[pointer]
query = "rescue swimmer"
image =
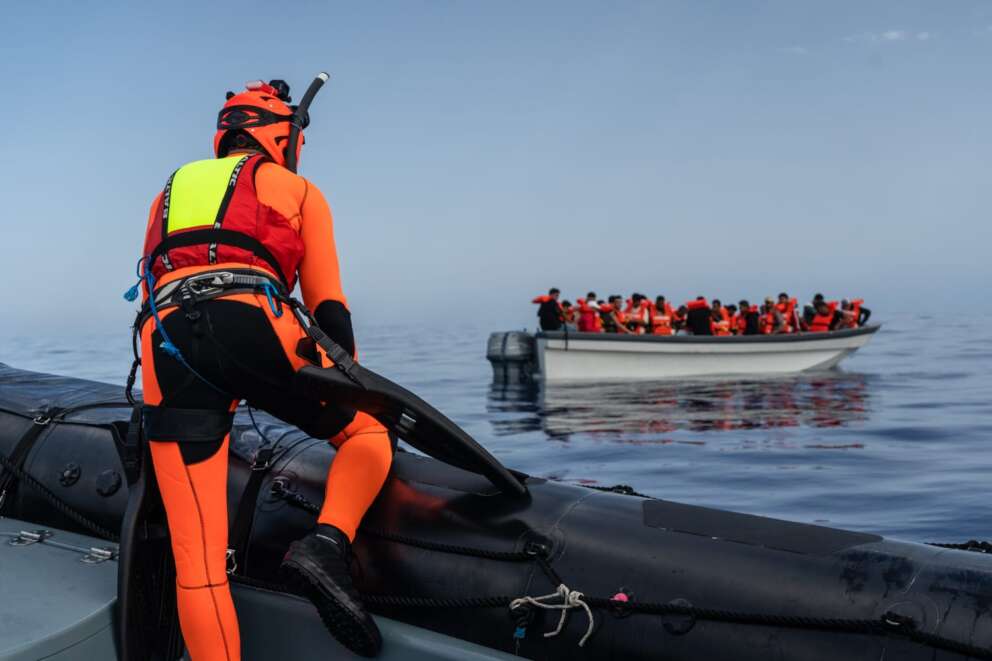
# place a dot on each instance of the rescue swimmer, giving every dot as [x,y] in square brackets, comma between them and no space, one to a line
[227,240]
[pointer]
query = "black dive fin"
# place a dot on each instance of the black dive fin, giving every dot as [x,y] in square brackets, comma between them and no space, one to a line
[411,418]
[147,620]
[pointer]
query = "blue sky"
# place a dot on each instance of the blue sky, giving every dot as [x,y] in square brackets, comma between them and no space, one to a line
[476,153]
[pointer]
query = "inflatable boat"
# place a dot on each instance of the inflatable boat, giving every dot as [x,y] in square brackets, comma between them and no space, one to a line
[571,356]
[455,568]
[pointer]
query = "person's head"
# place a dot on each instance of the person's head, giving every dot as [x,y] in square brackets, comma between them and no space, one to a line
[745,306]
[818,299]
[567,304]
[716,303]
[591,296]
[636,299]
[683,310]
[731,308]
[783,298]
[700,298]
[769,302]
[822,307]
[845,305]
[258,119]
[659,302]
[554,293]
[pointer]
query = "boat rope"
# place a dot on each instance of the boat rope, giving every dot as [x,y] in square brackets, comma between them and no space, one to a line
[569,599]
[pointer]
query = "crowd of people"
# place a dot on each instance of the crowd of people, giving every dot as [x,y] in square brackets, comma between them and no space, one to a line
[638,315]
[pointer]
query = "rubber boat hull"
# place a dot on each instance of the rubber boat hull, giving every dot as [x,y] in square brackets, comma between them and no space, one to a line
[560,356]
[438,536]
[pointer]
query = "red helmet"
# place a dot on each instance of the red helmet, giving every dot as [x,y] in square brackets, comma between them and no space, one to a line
[262,113]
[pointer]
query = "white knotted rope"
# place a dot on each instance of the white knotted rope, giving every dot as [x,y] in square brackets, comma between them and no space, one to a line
[569,599]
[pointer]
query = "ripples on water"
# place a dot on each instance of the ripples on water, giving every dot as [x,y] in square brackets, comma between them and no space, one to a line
[896,442]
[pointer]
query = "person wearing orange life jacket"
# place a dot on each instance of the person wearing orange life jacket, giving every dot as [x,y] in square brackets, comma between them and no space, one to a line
[787,308]
[716,305]
[661,303]
[772,322]
[719,323]
[638,316]
[854,314]
[611,312]
[237,231]
[589,318]
[568,315]
[549,311]
[826,319]
[732,317]
[661,321]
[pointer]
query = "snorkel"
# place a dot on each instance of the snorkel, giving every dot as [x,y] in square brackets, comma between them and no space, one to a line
[301,118]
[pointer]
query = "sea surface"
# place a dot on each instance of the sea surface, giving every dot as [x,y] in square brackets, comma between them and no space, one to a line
[899,441]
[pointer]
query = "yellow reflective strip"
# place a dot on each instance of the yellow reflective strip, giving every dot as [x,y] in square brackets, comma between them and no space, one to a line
[198,189]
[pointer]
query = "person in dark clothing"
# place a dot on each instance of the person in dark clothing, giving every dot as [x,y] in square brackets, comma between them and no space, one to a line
[698,318]
[549,311]
[749,319]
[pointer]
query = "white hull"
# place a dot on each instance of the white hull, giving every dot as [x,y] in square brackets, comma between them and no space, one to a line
[589,356]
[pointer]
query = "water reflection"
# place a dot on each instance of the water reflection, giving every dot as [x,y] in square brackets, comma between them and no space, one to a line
[641,412]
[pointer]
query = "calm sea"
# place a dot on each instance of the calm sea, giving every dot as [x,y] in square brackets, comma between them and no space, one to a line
[897,442]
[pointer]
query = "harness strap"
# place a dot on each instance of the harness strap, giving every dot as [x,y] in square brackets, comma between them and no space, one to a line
[133,446]
[221,237]
[248,504]
[40,424]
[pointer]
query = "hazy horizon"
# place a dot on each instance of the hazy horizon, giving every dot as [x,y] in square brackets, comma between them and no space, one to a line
[476,154]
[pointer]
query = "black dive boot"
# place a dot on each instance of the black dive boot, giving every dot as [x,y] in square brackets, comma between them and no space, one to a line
[318,566]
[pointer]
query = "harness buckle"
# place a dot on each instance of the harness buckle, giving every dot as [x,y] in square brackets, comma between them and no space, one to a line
[263,459]
[209,283]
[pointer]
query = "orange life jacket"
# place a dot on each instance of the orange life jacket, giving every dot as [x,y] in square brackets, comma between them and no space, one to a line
[768,322]
[661,324]
[821,322]
[721,327]
[242,229]
[855,313]
[589,321]
[697,304]
[788,312]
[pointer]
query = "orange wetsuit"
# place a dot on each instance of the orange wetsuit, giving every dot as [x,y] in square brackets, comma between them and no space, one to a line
[251,353]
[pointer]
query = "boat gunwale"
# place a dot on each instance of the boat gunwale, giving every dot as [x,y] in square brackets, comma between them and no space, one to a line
[709,339]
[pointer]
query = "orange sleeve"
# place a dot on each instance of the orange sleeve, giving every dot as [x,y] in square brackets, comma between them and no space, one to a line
[303,205]
[320,276]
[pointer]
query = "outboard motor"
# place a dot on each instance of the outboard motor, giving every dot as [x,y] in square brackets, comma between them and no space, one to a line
[512,356]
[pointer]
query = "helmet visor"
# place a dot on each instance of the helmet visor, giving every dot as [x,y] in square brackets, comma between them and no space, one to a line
[246,117]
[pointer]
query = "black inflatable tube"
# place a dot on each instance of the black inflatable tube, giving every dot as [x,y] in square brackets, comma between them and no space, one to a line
[599,543]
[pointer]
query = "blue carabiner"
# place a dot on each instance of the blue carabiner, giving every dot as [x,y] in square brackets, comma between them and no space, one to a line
[269,290]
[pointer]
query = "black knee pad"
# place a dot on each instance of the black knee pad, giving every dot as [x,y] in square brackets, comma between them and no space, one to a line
[199,432]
